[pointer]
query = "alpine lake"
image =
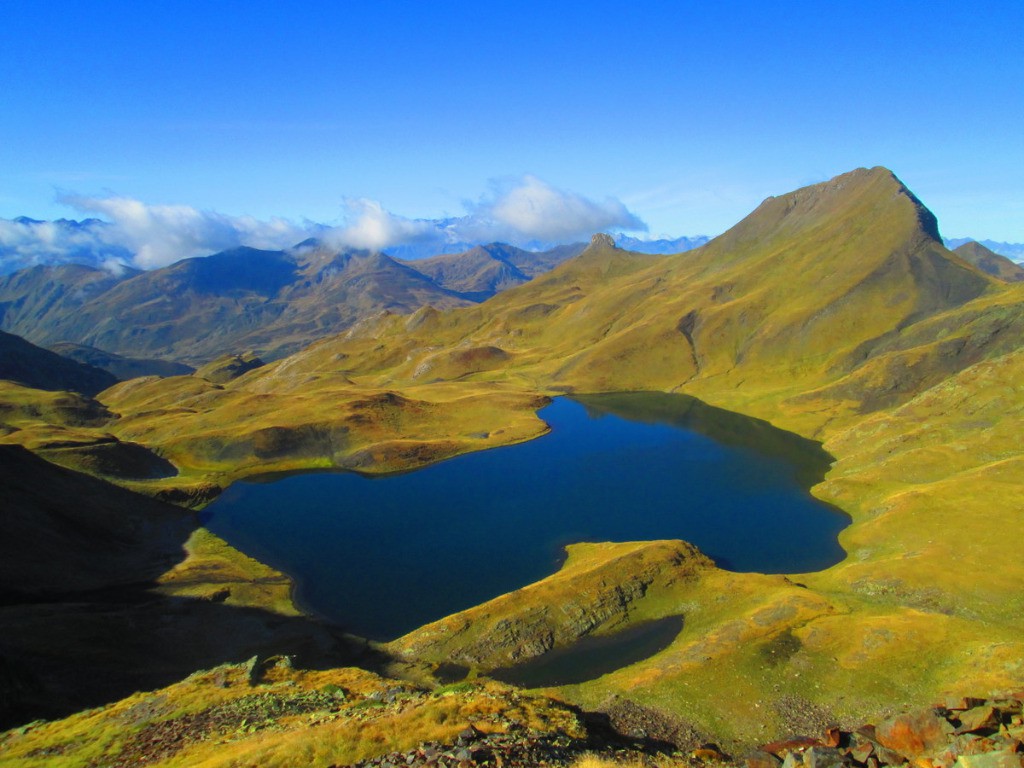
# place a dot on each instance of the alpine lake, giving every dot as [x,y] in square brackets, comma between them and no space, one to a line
[383,555]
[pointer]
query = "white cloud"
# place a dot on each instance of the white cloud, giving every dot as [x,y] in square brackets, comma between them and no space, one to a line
[133,233]
[159,235]
[370,226]
[531,209]
[526,210]
[27,243]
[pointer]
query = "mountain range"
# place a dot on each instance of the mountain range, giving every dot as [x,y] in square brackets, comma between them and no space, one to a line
[834,311]
[273,302]
[1013,251]
[661,245]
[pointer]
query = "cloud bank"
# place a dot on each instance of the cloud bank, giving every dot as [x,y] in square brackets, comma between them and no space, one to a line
[530,209]
[26,243]
[159,235]
[522,211]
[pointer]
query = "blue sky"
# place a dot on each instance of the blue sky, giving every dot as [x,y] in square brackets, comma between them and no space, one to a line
[684,114]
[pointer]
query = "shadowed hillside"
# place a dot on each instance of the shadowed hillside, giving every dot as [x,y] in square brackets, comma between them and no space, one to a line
[485,270]
[32,366]
[118,365]
[63,531]
[42,303]
[84,618]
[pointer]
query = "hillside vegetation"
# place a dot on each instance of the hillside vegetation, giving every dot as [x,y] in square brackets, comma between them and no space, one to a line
[834,312]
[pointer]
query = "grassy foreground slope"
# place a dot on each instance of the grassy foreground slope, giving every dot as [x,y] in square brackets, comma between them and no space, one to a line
[833,311]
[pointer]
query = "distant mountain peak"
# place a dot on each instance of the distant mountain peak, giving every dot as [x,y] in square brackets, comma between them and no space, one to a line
[927,219]
[661,245]
[990,262]
[1012,251]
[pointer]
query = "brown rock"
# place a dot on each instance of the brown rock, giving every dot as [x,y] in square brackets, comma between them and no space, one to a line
[833,737]
[1010,707]
[886,756]
[976,745]
[862,751]
[708,754]
[947,757]
[959,704]
[823,757]
[761,759]
[866,732]
[979,719]
[913,735]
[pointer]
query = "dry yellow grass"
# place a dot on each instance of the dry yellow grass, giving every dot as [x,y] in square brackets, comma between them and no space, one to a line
[217,718]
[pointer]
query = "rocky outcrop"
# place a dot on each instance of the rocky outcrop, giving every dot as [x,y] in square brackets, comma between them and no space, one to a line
[601,240]
[959,733]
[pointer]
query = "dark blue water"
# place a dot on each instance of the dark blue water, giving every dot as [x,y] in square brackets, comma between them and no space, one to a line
[382,556]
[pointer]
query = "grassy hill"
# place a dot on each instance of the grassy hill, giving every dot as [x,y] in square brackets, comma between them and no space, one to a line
[833,311]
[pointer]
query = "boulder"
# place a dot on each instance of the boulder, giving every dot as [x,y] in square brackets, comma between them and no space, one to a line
[978,720]
[915,734]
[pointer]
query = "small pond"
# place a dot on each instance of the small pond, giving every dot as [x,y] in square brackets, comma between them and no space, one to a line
[381,556]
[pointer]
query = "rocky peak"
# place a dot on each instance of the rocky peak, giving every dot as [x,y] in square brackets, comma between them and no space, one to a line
[602,239]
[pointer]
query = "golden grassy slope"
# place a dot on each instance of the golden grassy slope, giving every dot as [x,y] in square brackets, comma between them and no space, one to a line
[286,419]
[832,311]
[279,717]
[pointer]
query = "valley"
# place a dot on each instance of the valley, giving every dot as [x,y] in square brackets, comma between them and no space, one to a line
[833,312]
